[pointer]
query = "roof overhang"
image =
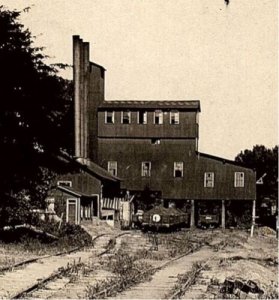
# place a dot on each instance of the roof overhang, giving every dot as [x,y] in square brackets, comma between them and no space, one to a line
[73,192]
[192,105]
[89,167]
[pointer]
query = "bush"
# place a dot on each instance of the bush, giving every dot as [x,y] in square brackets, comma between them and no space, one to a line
[68,236]
[22,234]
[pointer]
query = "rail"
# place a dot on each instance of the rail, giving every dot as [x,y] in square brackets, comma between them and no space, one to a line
[60,271]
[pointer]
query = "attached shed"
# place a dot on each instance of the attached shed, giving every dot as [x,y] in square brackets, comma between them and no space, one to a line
[76,195]
[74,206]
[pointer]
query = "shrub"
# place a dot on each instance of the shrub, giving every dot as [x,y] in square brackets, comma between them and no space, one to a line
[67,236]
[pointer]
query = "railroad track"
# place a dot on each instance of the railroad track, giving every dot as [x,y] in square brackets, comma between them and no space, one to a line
[166,277]
[61,282]
[32,260]
[158,283]
[26,276]
[35,259]
[72,264]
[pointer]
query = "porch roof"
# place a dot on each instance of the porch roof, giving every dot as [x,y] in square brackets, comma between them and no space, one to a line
[73,192]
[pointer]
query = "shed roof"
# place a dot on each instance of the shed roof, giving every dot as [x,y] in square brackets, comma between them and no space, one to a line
[152,104]
[72,191]
[99,171]
[90,167]
[224,160]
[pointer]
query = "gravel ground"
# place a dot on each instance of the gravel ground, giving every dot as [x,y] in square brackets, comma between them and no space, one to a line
[234,256]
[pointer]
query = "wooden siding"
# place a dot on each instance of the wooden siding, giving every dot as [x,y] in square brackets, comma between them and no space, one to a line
[95,98]
[223,181]
[82,182]
[187,127]
[130,153]
[131,144]
[60,202]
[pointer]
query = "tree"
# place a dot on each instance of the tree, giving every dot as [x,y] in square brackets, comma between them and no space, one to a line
[264,161]
[35,116]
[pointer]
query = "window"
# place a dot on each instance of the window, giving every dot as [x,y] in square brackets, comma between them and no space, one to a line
[126,117]
[112,167]
[238,179]
[178,169]
[109,117]
[146,169]
[174,117]
[142,117]
[158,117]
[155,141]
[209,179]
[66,183]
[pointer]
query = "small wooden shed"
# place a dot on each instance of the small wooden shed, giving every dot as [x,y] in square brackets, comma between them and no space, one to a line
[76,195]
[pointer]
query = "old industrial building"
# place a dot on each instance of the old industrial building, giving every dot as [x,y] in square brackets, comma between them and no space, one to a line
[151,144]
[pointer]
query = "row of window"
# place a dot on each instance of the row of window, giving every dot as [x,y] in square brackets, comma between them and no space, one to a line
[178,173]
[238,179]
[142,117]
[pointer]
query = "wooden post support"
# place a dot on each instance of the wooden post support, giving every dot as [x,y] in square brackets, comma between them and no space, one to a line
[192,222]
[223,224]
[253,217]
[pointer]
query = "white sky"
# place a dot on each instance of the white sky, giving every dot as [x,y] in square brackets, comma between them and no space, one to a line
[177,50]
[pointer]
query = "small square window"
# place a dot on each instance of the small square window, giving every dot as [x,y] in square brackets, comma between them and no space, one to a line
[66,183]
[112,167]
[146,169]
[155,141]
[174,117]
[109,117]
[239,179]
[126,117]
[209,179]
[142,117]
[158,117]
[178,169]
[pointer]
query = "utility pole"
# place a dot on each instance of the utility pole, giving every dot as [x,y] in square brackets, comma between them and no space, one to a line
[253,217]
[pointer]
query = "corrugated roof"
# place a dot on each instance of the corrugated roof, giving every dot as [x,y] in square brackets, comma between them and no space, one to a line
[152,104]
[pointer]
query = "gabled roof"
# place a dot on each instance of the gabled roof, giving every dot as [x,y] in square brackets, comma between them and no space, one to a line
[90,167]
[152,104]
